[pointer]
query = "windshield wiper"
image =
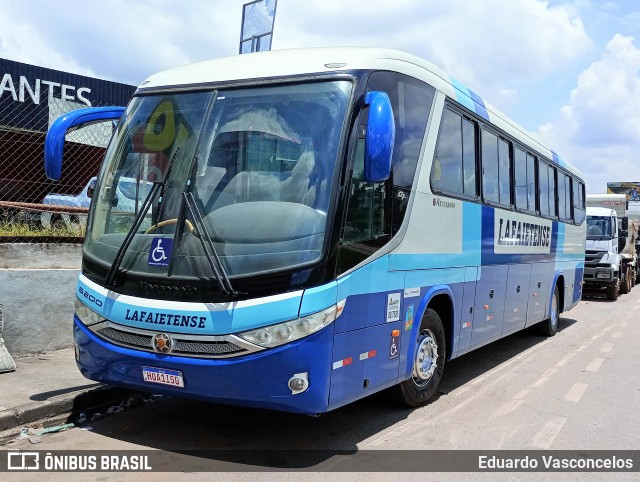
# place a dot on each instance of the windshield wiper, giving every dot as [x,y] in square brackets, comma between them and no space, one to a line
[137,221]
[208,246]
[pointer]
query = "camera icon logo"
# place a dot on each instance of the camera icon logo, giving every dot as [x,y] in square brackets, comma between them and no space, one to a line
[23,461]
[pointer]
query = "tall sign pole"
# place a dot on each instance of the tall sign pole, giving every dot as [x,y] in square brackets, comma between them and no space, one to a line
[256,31]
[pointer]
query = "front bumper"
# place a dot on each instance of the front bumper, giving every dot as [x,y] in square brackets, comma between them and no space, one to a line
[258,380]
[599,276]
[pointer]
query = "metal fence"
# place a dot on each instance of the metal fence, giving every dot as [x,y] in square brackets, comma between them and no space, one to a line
[32,207]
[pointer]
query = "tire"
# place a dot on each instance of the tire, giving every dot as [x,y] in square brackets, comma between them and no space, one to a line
[632,277]
[613,291]
[58,223]
[624,282]
[549,327]
[429,357]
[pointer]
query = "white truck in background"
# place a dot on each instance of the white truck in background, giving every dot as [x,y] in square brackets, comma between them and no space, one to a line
[611,258]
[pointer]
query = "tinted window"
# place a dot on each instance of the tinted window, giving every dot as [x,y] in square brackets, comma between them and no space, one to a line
[520,168]
[578,202]
[552,192]
[504,171]
[490,167]
[531,182]
[365,216]
[567,194]
[454,166]
[543,182]
[562,207]
[469,157]
[411,100]
[447,166]
[376,210]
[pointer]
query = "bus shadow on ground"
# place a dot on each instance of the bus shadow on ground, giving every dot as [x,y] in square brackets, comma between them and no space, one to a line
[246,436]
[476,363]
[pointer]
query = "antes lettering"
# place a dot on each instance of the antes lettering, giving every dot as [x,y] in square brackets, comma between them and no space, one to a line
[21,90]
[167,319]
[513,232]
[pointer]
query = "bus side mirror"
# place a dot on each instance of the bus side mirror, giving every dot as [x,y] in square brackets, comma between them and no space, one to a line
[380,137]
[54,141]
[625,223]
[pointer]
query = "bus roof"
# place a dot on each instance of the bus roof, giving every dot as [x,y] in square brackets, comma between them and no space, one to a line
[288,63]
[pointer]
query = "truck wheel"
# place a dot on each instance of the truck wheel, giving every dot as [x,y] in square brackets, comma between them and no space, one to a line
[625,282]
[428,362]
[549,327]
[628,279]
[613,291]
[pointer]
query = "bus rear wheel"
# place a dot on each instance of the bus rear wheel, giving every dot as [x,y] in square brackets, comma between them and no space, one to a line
[549,327]
[429,356]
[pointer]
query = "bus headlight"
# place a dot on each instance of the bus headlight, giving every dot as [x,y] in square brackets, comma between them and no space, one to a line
[86,314]
[276,335]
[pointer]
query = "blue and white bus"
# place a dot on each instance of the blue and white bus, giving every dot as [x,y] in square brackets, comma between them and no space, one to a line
[313,226]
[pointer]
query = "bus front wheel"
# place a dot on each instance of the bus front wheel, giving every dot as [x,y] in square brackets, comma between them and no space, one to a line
[429,357]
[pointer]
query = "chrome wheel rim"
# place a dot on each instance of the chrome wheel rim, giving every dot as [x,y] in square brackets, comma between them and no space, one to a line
[426,358]
[554,311]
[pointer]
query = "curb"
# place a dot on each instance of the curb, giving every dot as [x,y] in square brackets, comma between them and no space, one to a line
[71,403]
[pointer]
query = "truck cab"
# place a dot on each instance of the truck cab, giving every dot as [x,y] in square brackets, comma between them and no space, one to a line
[606,267]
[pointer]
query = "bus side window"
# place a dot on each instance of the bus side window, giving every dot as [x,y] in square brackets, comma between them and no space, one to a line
[490,167]
[543,182]
[412,101]
[365,214]
[504,171]
[531,182]
[454,166]
[520,168]
[553,206]
[567,197]
[578,202]
[562,207]
[446,174]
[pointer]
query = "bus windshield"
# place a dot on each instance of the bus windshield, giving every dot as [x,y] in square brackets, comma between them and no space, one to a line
[599,227]
[258,164]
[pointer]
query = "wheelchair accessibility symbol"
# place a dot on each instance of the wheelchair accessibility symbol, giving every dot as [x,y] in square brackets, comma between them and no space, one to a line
[394,346]
[160,251]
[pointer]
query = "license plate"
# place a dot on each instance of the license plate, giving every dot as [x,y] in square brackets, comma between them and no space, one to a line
[163,376]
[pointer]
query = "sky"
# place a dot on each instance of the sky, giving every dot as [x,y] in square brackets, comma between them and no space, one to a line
[566,71]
